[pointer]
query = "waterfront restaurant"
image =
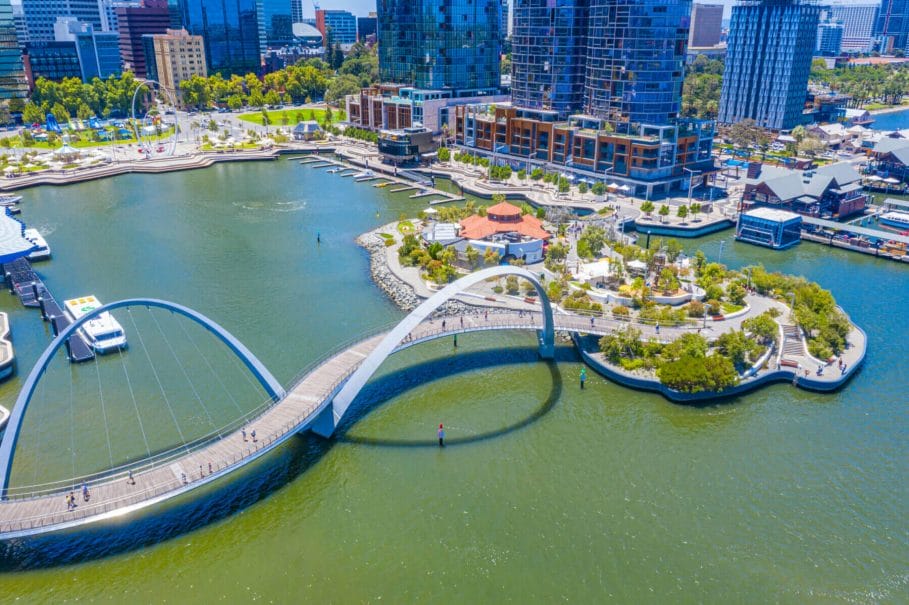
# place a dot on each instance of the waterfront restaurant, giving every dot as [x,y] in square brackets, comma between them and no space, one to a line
[504,229]
[769,227]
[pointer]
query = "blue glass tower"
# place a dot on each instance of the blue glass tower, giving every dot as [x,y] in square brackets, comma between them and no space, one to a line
[768,61]
[230,30]
[636,60]
[12,71]
[893,25]
[548,53]
[440,44]
[277,21]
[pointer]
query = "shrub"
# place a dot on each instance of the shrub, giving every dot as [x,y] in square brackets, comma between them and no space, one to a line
[713,307]
[695,309]
[621,312]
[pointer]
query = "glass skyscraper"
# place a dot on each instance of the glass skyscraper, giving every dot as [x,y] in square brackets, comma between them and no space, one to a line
[636,60]
[12,72]
[548,54]
[893,25]
[40,15]
[277,21]
[768,60]
[440,44]
[230,31]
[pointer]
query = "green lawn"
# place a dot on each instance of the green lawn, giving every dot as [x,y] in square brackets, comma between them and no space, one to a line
[292,116]
[79,140]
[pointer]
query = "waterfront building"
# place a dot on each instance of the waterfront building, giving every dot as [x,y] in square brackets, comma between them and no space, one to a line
[440,44]
[13,84]
[176,56]
[706,25]
[548,55]
[832,191]
[230,33]
[505,230]
[133,22]
[858,25]
[337,26]
[825,108]
[393,106]
[768,61]
[890,158]
[40,15]
[51,60]
[892,29]
[829,38]
[99,52]
[308,130]
[405,145]
[367,28]
[773,228]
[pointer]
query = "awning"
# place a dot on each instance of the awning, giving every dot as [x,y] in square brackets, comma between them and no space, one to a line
[12,243]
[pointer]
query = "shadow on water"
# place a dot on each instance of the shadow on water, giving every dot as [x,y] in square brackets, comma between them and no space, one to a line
[257,481]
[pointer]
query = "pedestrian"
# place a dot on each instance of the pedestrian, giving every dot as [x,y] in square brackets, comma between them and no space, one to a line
[486,315]
[209,468]
[183,477]
[129,478]
[318,237]
[243,432]
[462,322]
[72,499]
[253,435]
[85,494]
[443,324]
[658,327]
[591,321]
[441,436]
[583,377]
[201,472]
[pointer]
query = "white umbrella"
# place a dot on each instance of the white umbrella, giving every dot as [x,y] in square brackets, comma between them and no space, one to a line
[613,185]
[9,169]
[874,178]
[625,188]
[891,180]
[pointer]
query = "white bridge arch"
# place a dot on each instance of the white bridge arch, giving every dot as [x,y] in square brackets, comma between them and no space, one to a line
[334,413]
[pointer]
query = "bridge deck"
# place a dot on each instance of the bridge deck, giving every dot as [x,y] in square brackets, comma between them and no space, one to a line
[25,514]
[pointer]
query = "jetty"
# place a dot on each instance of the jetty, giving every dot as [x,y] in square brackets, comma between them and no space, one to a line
[28,286]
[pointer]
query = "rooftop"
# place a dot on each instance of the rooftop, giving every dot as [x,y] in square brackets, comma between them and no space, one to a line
[771,214]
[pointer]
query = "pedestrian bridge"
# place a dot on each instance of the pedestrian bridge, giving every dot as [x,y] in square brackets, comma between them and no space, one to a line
[319,401]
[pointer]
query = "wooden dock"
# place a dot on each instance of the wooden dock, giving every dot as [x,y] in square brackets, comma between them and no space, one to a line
[402,189]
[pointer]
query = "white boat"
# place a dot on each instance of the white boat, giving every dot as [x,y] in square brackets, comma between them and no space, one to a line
[43,252]
[10,200]
[103,332]
[895,219]
[366,174]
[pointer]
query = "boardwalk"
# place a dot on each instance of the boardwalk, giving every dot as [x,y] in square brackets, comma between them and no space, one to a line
[25,513]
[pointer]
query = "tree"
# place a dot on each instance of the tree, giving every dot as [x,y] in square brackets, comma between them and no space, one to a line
[690,374]
[695,210]
[664,212]
[342,86]
[490,257]
[266,119]
[511,285]
[683,212]
[735,346]
[736,293]
[444,154]
[473,256]
[763,328]
[564,184]
[647,207]
[745,133]
[61,113]
[31,114]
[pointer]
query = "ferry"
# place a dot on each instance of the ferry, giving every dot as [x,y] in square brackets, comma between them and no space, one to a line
[895,219]
[103,332]
[43,251]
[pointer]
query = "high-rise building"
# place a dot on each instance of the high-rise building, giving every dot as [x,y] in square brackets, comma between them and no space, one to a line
[548,54]
[109,12]
[12,70]
[296,11]
[277,21]
[40,15]
[21,26]
[134,22]
[829,38]
[706,25]
[337,26]
[858,25]
[505,22]
[440,44]
[98,52]
[768,60]
[366,27]
[177,56]
[636,60]
[893,25]
[230,34]
[51,60]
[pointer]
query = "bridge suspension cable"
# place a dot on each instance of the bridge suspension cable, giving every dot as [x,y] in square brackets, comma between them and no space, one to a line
[110,449]
[132,394]
[155,373]
[230,395]
[192,386]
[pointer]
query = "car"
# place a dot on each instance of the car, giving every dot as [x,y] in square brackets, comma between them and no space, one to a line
[160,148]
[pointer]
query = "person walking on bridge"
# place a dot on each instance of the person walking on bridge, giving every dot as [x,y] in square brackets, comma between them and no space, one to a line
[441,434]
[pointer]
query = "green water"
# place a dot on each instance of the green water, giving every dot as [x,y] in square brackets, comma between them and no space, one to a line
[553,495]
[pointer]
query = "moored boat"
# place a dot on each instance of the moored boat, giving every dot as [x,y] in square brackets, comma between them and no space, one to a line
[103,332]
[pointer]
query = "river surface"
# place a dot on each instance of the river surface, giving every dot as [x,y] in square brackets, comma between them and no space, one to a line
[552,494]
[893,120]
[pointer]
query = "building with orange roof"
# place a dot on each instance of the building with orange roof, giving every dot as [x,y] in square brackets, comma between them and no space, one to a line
[504,229]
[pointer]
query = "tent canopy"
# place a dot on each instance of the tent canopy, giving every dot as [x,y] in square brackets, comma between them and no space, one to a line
[13,244]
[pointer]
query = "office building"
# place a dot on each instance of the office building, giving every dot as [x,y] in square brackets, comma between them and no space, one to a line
[277,21]
[109,12]
[21,27]
[440,44]
[337,26]
[40,15]
[133,22]
[296,11]
[98,52]
[892,28]
[176,56]
[829,38]
[505,21]
[768,61]
[706,25]
[548,55]
[367,27]
[858,25]
[230,34]
[51,60]
[12,70]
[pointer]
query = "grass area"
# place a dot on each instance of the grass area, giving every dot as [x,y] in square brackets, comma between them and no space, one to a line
[290,117]
[214,147]
[730,308]
[79,140]
[405,227]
